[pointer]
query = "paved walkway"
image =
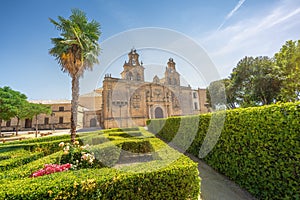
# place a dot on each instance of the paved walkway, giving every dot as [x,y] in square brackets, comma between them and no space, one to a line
[215,186]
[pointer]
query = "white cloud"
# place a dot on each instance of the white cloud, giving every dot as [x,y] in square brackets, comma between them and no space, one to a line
[254,35]
[231,13]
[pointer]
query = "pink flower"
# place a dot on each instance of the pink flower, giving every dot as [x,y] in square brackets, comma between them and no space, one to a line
[51,168]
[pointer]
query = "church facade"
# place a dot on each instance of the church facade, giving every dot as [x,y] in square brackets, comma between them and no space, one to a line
[130,100]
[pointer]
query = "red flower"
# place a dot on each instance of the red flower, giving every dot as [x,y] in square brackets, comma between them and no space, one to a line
[51,168]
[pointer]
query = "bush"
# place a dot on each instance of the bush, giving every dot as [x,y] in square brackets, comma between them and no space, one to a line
[22,159]
[170,176]
[36,140]
[259,147]
[140,146]
[171,182]
[25,170]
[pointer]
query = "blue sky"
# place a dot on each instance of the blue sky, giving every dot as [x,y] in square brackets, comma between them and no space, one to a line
[227,31]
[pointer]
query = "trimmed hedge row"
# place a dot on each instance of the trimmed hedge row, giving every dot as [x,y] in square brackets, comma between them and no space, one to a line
[106,183]
[170,175]
[259,148]
[20,160]
[12,154]
[24,171]
[45,147]
[37,140]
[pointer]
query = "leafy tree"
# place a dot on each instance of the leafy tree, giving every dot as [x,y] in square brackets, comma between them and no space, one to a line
[22,112]
[11,102]
[288,60]
[37,109]
[255,81]
[76,50]
[220,93]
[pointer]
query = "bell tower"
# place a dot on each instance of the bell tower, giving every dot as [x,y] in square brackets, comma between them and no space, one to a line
[172,77]
[133,70]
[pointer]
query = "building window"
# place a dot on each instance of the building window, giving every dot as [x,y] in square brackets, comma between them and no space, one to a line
[46,121]
[61,120]
[196,105]
[8,123]
[195,95]
[61,108]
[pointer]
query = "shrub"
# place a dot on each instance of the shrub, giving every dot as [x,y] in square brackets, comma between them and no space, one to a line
[140,146]
[78,156]
[25,170]
[17,161]
[259,148]
[170,176]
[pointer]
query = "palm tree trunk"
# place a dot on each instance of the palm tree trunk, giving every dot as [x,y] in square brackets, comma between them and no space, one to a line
[74,106]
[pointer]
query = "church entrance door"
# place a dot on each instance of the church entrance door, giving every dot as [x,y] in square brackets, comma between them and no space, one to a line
[93,122]
[159,113]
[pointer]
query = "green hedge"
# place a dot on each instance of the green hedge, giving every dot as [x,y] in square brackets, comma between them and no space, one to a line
[170,175]
[107,183]
[20,160]
[45,146]
[140,146]
[24,171]
[12,154]
[259,148]
[37,140]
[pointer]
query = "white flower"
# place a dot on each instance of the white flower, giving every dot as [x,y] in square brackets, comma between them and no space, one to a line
[84,157]
[61,144]
[67,148]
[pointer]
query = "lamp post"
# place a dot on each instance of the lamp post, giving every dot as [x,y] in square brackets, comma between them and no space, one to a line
[120,104]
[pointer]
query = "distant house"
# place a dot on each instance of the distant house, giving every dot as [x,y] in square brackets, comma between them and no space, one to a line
[60,118]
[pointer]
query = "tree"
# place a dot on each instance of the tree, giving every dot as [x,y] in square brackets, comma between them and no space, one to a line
[76,50]
[255,81]
[288,61]
[22,112]
[219,93]
[11,102]
[37,109]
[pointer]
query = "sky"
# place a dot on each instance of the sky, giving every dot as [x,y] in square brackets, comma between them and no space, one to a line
[226,31]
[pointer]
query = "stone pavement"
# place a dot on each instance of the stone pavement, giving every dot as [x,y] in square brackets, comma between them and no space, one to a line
[215,186]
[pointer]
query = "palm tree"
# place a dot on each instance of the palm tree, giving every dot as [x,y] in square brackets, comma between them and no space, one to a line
[76,50]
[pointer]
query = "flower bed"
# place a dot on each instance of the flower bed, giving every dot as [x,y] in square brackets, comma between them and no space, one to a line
[170,175]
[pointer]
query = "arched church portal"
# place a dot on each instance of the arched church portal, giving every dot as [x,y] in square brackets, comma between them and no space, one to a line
[93,122]
[158,113]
